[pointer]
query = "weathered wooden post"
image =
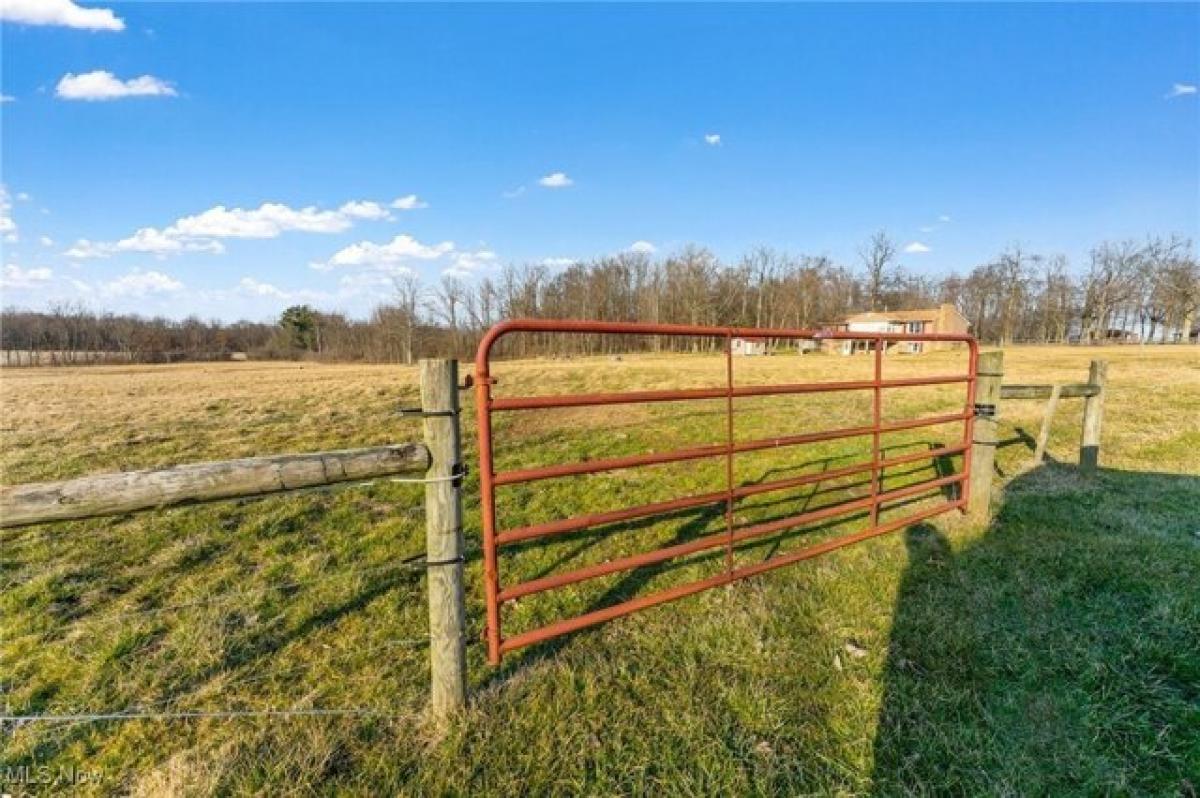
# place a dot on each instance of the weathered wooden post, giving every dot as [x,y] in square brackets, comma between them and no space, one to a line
[983,448]
[1093,415]
[444,538]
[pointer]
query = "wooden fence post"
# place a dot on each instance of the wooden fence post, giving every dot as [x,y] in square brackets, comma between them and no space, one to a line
[1093,415]
[983,448]
[444,538]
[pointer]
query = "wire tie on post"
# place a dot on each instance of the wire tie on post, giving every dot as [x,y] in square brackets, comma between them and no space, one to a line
[420,412]
[452,561]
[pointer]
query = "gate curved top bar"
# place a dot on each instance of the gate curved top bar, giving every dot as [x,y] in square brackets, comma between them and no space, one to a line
[489,479]
[498,331]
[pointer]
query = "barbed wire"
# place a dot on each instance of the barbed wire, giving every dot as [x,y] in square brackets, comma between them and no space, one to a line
[156,709]
[19,720]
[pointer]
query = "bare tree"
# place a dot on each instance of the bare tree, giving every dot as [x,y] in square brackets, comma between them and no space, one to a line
[877,256]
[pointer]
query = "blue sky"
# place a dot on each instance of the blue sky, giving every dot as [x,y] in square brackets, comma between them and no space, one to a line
[259,148]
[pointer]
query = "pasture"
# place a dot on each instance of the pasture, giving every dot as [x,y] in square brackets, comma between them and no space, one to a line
[1056,650]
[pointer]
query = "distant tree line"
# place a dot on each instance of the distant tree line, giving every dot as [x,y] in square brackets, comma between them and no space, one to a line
[1148,291]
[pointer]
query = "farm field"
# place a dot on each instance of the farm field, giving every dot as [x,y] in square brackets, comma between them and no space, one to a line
[1056,651]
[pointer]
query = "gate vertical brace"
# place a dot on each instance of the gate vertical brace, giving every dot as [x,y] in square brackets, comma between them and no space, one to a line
[876,422]
[487,494]
[444,538]
[729,453]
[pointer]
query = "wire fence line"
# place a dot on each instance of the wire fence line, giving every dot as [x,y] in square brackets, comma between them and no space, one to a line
[162,709]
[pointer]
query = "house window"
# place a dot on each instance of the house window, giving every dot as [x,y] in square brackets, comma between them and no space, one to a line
[916,326]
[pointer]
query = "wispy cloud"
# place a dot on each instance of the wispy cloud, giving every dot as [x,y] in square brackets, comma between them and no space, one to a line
[400,249]
[558,263]
[1181,90]
[201,232]
[251,287]
[712,139]
[15,278]
[139,284]
[409,202]
[916,248]
[516,192]
[7,98]
[556,180]
[101,85]
[64,13]
[8,227]
[643,248]
[374,262]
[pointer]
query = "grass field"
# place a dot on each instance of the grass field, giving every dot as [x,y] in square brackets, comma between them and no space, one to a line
[1056,651]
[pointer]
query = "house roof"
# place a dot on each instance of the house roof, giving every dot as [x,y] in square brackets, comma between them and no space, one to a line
[922,314]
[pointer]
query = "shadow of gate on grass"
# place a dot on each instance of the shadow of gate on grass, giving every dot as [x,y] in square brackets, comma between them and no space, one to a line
[1059,651]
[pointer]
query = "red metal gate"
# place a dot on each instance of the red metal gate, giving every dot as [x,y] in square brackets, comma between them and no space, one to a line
[494,537]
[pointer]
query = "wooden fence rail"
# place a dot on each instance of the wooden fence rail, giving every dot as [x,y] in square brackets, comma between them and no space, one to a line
[130,491]
[438,459]
[990,391]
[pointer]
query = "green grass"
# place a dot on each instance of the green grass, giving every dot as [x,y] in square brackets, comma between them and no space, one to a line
[1056,651]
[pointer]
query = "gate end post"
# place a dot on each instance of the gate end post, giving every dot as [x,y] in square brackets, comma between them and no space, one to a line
[983,444]
[444,538]
[1093,415]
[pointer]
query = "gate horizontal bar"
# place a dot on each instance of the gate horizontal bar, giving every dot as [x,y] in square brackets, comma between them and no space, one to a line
[718,539]
[713,450]
[625,608]
[686,394]
[658,508]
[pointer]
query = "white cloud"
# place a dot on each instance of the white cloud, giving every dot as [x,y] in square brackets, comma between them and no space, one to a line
[916,248]
[200,232]
[102,85]
[712,139]
[558,263]
[139,284]
[643,248]
[24,196]
[7,98]
[374,264]
[470,262]
[409,202]
[944,219]
[269,220]
[516,192]
[252,287]
[46,241]
[146,240]
[7,225]
[401,248]
[15,278]
[1181,90]
[556,180]
[59,12]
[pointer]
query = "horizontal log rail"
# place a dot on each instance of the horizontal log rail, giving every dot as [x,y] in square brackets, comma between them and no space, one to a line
[1082,389]
[130,491]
